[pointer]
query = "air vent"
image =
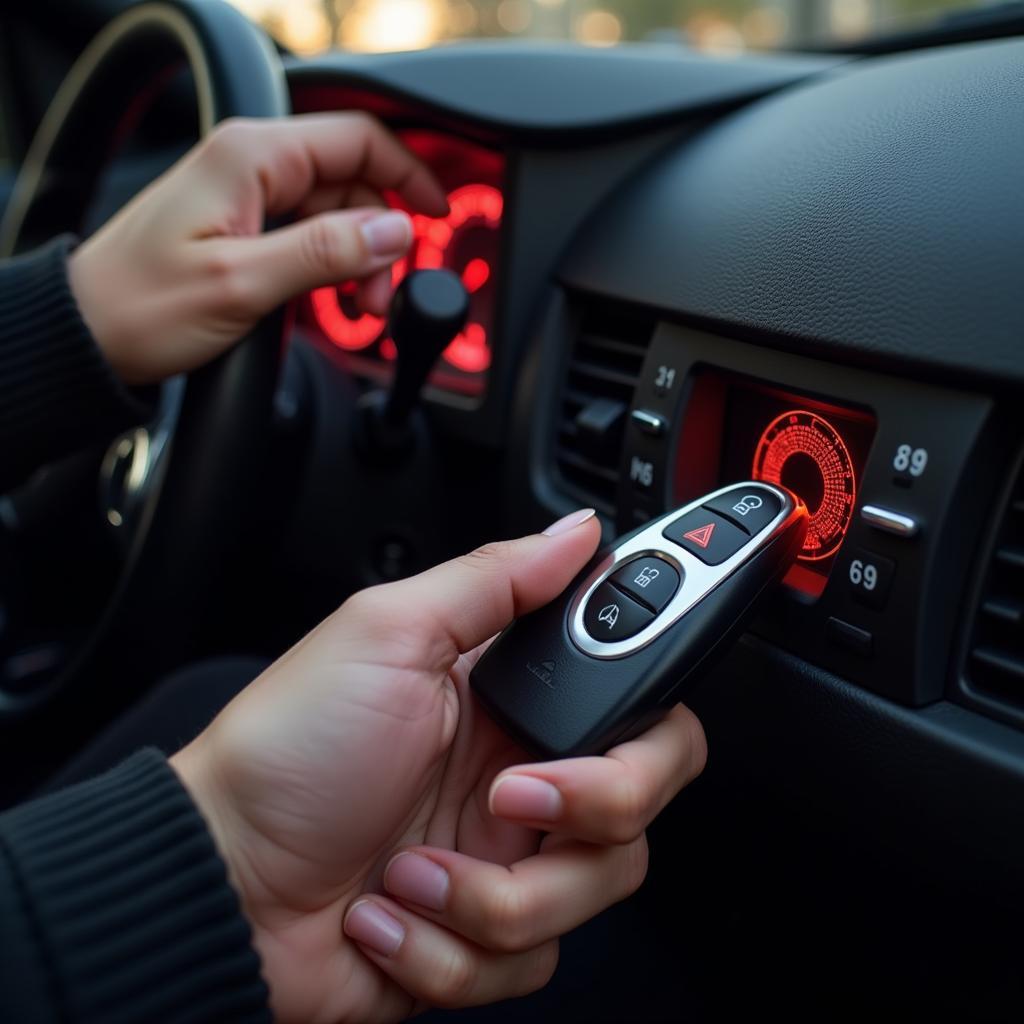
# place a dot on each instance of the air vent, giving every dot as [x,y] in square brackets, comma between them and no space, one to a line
[602,375]
[995,661]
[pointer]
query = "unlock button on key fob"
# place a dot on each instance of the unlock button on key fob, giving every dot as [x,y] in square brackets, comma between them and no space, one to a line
[611,616]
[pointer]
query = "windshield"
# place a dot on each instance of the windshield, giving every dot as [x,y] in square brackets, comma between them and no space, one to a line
[718,26]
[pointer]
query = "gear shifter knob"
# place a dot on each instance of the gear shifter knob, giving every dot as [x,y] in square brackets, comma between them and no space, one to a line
[428,310]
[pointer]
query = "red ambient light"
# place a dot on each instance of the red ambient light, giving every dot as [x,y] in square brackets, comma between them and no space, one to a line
[473,207]
[476,275]
[805,453]
[341,320]
[436,243]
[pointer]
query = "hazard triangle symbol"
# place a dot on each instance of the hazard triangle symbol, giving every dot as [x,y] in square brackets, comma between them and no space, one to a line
[702,535]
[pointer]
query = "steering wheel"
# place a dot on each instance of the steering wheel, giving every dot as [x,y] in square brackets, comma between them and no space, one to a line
[191,483]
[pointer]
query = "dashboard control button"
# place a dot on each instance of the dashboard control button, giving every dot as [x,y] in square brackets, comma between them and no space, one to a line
[751,509]
[888,521]
[610,615]
[869,576]
[707,535]
[650,580]
[650,423]
[853,638]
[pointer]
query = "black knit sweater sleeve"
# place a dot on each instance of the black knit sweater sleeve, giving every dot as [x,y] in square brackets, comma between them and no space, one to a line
[115,908]
[57,392]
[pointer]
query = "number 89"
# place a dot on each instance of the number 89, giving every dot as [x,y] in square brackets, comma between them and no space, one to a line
[913,459]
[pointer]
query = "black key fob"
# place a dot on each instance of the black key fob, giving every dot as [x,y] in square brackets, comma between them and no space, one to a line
[617,649]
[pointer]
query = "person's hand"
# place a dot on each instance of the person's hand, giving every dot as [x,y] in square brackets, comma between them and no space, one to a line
[392,848]
[183,271]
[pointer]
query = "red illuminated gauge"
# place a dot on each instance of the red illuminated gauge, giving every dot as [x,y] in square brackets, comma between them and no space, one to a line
[805,453]
[466,241]
[339,318]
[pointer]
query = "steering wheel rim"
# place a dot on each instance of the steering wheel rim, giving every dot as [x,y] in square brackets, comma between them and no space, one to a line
[190,516]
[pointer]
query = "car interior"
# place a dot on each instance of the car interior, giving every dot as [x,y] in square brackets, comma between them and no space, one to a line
[684,270]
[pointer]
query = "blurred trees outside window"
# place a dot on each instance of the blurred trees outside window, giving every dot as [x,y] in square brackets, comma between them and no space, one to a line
[718,26]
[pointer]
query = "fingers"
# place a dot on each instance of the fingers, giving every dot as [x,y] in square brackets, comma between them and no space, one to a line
[310,164]
[331,247]
[373,294]
[519,907]
[439,967]
[294,156]
[609,799]
[347,196]
[458,605]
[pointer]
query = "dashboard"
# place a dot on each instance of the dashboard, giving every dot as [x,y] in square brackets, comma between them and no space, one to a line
[798,270]
[636,393]
[687,272]
[683,272]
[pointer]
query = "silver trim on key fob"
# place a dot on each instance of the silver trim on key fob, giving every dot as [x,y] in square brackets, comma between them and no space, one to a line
[697,580]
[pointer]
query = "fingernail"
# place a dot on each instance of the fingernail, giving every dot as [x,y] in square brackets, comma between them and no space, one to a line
[374,927]
[523,796]
[417,879]
[569,522]
[387,234]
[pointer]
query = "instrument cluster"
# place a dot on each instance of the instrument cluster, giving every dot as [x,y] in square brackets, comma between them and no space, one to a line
[815,448]
[467,241]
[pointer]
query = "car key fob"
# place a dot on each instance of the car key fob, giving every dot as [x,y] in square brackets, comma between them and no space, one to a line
[620,646]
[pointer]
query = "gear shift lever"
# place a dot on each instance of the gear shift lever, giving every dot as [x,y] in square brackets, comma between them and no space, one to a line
[428,310]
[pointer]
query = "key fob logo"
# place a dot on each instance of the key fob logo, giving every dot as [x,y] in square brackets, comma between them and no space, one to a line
[544,672]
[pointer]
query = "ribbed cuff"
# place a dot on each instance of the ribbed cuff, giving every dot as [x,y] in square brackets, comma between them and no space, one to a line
[57,392]
[130,904]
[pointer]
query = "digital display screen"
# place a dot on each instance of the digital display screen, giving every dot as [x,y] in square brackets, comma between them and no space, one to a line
[815,447]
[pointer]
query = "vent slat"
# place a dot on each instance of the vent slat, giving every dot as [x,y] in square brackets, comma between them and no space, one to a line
[995,664]
[597,372]
[1001,661]
[1006,611]
[636,350]
[584,464]
[574,396]
[1013,557]
[604,367]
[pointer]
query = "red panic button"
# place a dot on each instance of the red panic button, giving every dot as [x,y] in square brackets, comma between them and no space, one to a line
[707,535]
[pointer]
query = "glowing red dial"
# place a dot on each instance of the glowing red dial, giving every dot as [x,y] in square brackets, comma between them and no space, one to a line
[339,318]
[465,241]
[805,453]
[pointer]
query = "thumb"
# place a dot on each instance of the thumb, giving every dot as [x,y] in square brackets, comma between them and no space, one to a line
[469,599]
[324,249]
